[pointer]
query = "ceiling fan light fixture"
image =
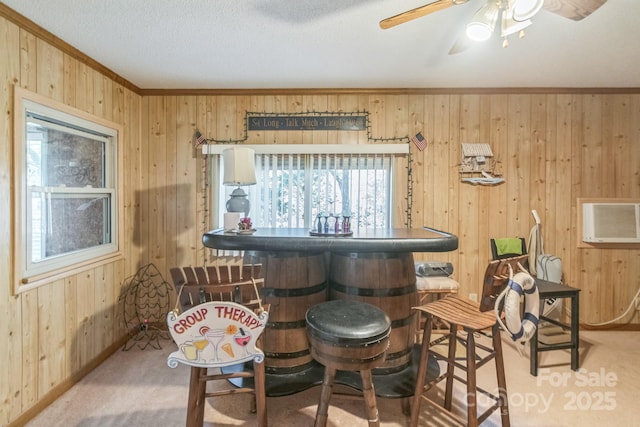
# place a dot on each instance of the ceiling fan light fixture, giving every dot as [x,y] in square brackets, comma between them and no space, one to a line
[484,21]
[511,26]
[521,10]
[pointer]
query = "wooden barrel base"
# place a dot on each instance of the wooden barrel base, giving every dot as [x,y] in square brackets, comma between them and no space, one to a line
[387,281]
[346,359]
[294,282]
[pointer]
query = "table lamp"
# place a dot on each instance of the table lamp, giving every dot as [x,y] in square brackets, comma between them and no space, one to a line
[239,169]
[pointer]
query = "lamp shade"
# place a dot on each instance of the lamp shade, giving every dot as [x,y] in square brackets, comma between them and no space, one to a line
[239,166]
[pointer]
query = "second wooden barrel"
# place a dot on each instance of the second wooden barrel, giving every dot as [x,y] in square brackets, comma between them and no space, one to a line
[294,282]
[388,281]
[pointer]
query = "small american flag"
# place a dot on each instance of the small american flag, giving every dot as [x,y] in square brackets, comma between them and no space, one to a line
[199,138]
[420,142]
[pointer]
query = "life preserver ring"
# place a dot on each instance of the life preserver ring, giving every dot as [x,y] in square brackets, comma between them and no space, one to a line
[519,284]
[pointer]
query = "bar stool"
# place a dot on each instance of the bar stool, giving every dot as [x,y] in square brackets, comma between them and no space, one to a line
[466,319]
[537,345]
[430,288]
[349,336]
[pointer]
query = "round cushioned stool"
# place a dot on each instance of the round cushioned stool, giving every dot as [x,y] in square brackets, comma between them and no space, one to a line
[348,336]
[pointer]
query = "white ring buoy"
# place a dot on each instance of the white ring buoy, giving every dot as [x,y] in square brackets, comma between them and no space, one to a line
[521,284]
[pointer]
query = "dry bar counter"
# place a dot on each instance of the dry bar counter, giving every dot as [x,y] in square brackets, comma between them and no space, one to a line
[393,240]
[301,270]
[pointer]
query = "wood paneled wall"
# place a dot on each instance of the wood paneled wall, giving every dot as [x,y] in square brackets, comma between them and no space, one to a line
[54,333]
[554,148]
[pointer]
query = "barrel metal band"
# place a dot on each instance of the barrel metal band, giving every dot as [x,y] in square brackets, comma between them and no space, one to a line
[347,342]
[285,370]
[291,355]
[370,292]
[351,359]
[295,292]
[296,324]
[399,323]
[398,354]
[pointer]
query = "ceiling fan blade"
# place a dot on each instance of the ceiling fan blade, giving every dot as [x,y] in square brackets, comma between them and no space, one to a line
[418,12]
[573,9]
[461,44]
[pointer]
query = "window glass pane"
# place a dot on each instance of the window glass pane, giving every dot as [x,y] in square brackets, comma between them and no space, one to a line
[64,223]
[59,158]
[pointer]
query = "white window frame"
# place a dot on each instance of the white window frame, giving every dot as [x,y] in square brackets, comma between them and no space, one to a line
[29,272]
[219,193]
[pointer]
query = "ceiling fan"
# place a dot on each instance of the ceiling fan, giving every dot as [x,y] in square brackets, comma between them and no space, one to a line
[572,9]
[516,15]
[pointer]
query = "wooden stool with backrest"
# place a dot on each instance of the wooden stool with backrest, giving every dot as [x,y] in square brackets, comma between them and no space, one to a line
[238,284]
[466,319]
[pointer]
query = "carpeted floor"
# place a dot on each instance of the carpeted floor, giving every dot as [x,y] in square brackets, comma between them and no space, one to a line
[136,388]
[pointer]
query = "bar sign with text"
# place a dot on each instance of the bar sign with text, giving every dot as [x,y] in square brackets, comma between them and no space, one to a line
[307,122]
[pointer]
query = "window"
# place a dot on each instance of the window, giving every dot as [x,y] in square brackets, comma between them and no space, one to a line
[298,182]
[67,205]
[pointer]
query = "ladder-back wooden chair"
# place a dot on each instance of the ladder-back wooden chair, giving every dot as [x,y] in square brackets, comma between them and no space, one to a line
[195,285]
[508,247]
[218,326]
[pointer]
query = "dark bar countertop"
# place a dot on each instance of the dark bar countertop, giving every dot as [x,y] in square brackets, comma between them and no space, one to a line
[299,239]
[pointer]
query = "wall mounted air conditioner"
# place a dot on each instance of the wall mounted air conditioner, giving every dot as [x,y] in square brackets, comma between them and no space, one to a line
[611,222]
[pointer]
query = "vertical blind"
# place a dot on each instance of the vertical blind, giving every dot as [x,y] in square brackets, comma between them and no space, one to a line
[293,189]
[296,183]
